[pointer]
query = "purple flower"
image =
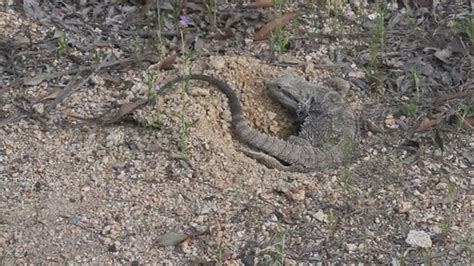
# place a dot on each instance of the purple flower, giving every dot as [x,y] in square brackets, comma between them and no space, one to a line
[184,22]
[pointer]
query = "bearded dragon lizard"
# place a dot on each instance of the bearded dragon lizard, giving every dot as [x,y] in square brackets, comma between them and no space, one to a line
[327,131]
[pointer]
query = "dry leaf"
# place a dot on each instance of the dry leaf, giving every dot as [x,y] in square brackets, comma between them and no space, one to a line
[428,123]
[441,99]
[469,121]
[52,95]
[167,62]
[32,81]
[443,55]
[266,30]
[171,239]
[125,109]
[261,3]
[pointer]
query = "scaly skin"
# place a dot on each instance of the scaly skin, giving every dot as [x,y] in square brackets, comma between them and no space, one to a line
[328,126]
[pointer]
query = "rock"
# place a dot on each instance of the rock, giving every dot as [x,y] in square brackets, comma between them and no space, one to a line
[73,220]
[390,122]
[321,216]
[297,194]
[271,115]
[341,85]
[198,92]
[274,129]
[403,207]
[114,139]
[351,247]
[288,262]
[289,59]
[217,63]
[441,186]
[419,239]
[39,108]
[310,68]
[436,229]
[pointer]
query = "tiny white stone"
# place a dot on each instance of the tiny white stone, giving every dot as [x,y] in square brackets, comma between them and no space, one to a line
[320,216]
[351,247]
[373,16]
[418,239]
[39,108]
[114,139]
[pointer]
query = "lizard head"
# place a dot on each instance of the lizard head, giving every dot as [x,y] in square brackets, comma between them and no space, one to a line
[290,90]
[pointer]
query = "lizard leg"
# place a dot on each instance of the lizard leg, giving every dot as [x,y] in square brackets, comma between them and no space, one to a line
[265,159]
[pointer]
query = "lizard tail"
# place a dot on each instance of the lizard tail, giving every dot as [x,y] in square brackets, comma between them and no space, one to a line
[271,145]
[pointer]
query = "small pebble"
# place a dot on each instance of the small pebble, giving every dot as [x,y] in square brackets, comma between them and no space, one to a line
[418,239]
[72,220]
[39,108]
[351,247]
[321,216]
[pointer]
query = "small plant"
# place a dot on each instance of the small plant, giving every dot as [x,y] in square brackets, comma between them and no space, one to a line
[280,246]
[219,253]
[63,46]
[470,31]
[185,126]
[344,181]
[154,120]
[157,35]
[211,10]
[96,56]
[462,113]
[426,257]
[335,8]
[240,189]
[401,261]
[446,222]
[348,150]
[277,251]
[410,109]
[150,79]
[469,244]
[411,22]
[177,7]
[313,17]
[332,219]
[377,39]
[185,123]
[416,78]
[279,39]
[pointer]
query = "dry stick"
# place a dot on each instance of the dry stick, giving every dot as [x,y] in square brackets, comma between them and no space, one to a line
[11,119]
[140,57]
[87,68]
[70,89]
[460,94]
[129,107]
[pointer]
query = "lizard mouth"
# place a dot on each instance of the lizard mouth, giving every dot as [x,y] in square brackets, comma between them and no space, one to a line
[285,98]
